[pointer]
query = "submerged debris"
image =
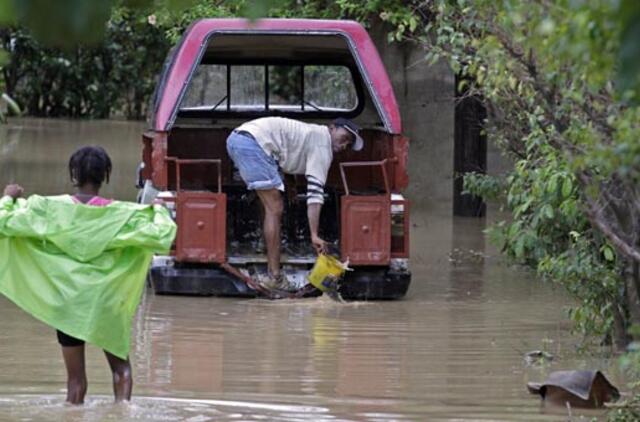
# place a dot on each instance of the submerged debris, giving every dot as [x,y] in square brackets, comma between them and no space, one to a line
[537,357]
[578,388]
[460,256]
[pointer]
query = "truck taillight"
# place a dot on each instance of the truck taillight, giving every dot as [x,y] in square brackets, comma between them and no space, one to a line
[399,226]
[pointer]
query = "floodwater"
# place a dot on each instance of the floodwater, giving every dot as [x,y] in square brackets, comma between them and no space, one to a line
[452,350]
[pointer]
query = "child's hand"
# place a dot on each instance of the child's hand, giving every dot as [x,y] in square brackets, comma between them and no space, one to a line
[13,190]
[158,201]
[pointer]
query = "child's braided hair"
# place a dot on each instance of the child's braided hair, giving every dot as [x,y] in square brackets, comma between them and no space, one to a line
[89,164]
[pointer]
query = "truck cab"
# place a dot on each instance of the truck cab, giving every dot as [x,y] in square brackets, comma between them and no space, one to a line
[224,72]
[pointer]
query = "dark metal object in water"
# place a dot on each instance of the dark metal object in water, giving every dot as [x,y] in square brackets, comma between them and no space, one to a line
[537,357]
[587,389]
[248,280]
[269,293]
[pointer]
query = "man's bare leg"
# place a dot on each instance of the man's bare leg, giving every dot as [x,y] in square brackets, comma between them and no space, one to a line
[76,375]
[273,208]
[122,379]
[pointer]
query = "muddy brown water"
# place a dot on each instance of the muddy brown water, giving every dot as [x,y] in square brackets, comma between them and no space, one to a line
[452,350]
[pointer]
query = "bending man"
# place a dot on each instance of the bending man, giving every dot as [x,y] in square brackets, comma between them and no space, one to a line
[259,148]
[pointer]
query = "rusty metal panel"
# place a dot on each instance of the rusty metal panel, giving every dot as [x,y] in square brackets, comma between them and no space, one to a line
[401,153]
[159,173]
[186,143]
[202,226]
[147,149]
[366,229]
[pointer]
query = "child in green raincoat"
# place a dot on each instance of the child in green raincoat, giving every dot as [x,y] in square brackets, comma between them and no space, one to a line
[78,263]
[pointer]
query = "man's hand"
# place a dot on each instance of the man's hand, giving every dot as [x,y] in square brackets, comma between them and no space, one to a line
[320,245]
[13,190]
[313,212]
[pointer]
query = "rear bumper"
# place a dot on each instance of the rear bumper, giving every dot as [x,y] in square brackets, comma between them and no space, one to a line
[361,284]
[167,280]
[375,284]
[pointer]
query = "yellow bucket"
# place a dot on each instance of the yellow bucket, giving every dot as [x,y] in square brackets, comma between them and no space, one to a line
[325,266]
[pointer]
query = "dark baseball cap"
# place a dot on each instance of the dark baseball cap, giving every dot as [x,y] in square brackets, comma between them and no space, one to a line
[358,144]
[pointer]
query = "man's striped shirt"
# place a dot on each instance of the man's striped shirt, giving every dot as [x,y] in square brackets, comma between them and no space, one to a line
[299,148]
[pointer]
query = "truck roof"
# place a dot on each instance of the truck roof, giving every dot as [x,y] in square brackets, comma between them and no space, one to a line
[195,47]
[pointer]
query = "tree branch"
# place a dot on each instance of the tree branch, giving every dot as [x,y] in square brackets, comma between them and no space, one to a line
[597,219]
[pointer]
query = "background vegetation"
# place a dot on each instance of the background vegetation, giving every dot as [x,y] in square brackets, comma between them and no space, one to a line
[562,102]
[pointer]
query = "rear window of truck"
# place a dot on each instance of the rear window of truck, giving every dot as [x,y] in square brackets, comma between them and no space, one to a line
[227,88]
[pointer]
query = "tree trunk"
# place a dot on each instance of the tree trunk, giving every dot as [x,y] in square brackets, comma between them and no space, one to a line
[620,338]
[470,152]
[632,283]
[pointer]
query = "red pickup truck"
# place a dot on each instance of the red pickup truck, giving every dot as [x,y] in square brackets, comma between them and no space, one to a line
[224,72]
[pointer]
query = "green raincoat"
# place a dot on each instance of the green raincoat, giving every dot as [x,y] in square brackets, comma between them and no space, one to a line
[78,268]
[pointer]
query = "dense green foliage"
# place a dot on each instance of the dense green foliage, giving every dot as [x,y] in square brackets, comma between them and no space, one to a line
[545,72]
[81,59]
[116,76]
[551,77]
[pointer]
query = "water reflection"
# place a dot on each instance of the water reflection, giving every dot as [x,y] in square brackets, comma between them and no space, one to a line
[452,350]
[35,153]
[467,260]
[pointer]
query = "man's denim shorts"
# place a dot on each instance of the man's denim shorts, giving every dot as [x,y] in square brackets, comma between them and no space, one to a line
[258,170]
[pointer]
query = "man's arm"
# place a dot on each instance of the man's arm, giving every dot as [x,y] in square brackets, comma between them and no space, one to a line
[313,213]
[315,199]
[317,168]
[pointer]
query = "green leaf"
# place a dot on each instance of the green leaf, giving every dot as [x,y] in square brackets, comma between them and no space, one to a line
[608,253]
[413,23]
[567,187]
[552,186]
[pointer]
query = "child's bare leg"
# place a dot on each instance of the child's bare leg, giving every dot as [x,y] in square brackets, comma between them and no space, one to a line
[76,375]
[122,379]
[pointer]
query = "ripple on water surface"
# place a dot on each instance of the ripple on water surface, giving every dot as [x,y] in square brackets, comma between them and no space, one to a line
[23,407]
